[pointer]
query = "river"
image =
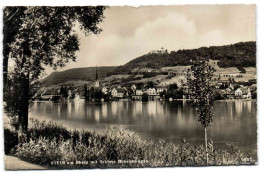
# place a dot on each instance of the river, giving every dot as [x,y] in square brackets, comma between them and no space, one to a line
[234,121]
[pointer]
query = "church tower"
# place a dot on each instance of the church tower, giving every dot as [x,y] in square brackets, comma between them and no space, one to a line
[97,81]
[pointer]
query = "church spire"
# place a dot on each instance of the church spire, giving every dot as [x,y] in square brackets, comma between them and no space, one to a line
[97,84]
[96,74]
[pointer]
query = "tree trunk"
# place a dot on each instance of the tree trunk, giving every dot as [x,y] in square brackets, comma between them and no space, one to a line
[5,72]
[24,106]
[206,145]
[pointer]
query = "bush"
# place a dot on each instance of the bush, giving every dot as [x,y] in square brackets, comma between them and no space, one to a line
[114,144]
[40,151]
[47,130]
[254,95]
[10,140]
[145,97]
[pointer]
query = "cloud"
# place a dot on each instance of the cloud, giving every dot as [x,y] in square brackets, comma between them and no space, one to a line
[173,31]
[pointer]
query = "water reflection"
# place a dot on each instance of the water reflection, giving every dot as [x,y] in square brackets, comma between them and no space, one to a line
[234,121]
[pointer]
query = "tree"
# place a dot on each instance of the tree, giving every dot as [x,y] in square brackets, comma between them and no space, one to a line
[149,84]
[86,92]
[98,94]
[218,96]
[64,92]
[201,93]
[139,85]
[168,94]
[144,97]
[254,95]
[44,36]
[173,87]
[162,94]
[236,87]
[12,19]
[178,94]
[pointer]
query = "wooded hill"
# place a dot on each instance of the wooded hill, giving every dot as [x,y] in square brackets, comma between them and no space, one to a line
[84,74]
[238,55]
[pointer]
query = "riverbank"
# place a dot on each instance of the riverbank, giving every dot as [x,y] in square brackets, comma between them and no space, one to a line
[14,163]
[58,148]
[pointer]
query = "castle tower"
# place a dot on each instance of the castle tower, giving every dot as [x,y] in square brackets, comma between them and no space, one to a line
[97,81]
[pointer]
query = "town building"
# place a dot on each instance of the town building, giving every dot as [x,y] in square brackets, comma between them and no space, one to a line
[244,93]
[139,92]
[117,92]
[161,89]
[133,87]
[51,94]
[105,90]
[151,91]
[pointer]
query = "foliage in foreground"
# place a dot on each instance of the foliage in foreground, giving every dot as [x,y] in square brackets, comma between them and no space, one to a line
[50,142]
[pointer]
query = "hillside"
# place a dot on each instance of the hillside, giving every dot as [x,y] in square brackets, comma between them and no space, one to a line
[238,55]
[76,74]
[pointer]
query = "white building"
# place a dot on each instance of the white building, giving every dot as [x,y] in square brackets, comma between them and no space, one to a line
[104,90]
[238,93]
[151,91]
[139,92]
[244,93]
[133,87]
[161,89]
[114,92]
[117,92]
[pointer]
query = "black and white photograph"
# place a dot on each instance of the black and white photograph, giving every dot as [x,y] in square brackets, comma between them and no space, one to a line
[129,87]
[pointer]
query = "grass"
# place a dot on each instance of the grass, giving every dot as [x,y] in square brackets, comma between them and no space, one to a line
[49,142]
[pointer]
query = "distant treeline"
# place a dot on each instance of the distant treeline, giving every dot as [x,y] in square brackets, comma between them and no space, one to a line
[238,55]
[83,74]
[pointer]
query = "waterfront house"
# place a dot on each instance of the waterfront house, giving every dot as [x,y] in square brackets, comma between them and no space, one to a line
[230,94]
[133,87]
[117,92]
[151,91]
[120,92]
[139,92]
[238,92]
[243,92]
[114,92]
[161,89]
[105,90]
[51,94]
[246,93]
[77,96]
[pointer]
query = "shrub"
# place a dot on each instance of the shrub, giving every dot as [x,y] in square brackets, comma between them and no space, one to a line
[40,151]
[10,140]
[116,143]
[47,130]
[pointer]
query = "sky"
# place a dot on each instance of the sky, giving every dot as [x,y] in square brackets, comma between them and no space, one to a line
[130,32]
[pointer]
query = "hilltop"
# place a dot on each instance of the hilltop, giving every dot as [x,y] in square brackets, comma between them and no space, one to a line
[76,74]
[238,55]
[233,58]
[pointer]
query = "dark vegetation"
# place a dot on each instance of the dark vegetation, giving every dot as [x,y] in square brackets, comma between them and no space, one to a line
[238,55]
[87,74]
[42,37]
[51,142]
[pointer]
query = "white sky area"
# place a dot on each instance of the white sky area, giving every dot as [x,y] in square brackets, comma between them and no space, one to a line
[130,32]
